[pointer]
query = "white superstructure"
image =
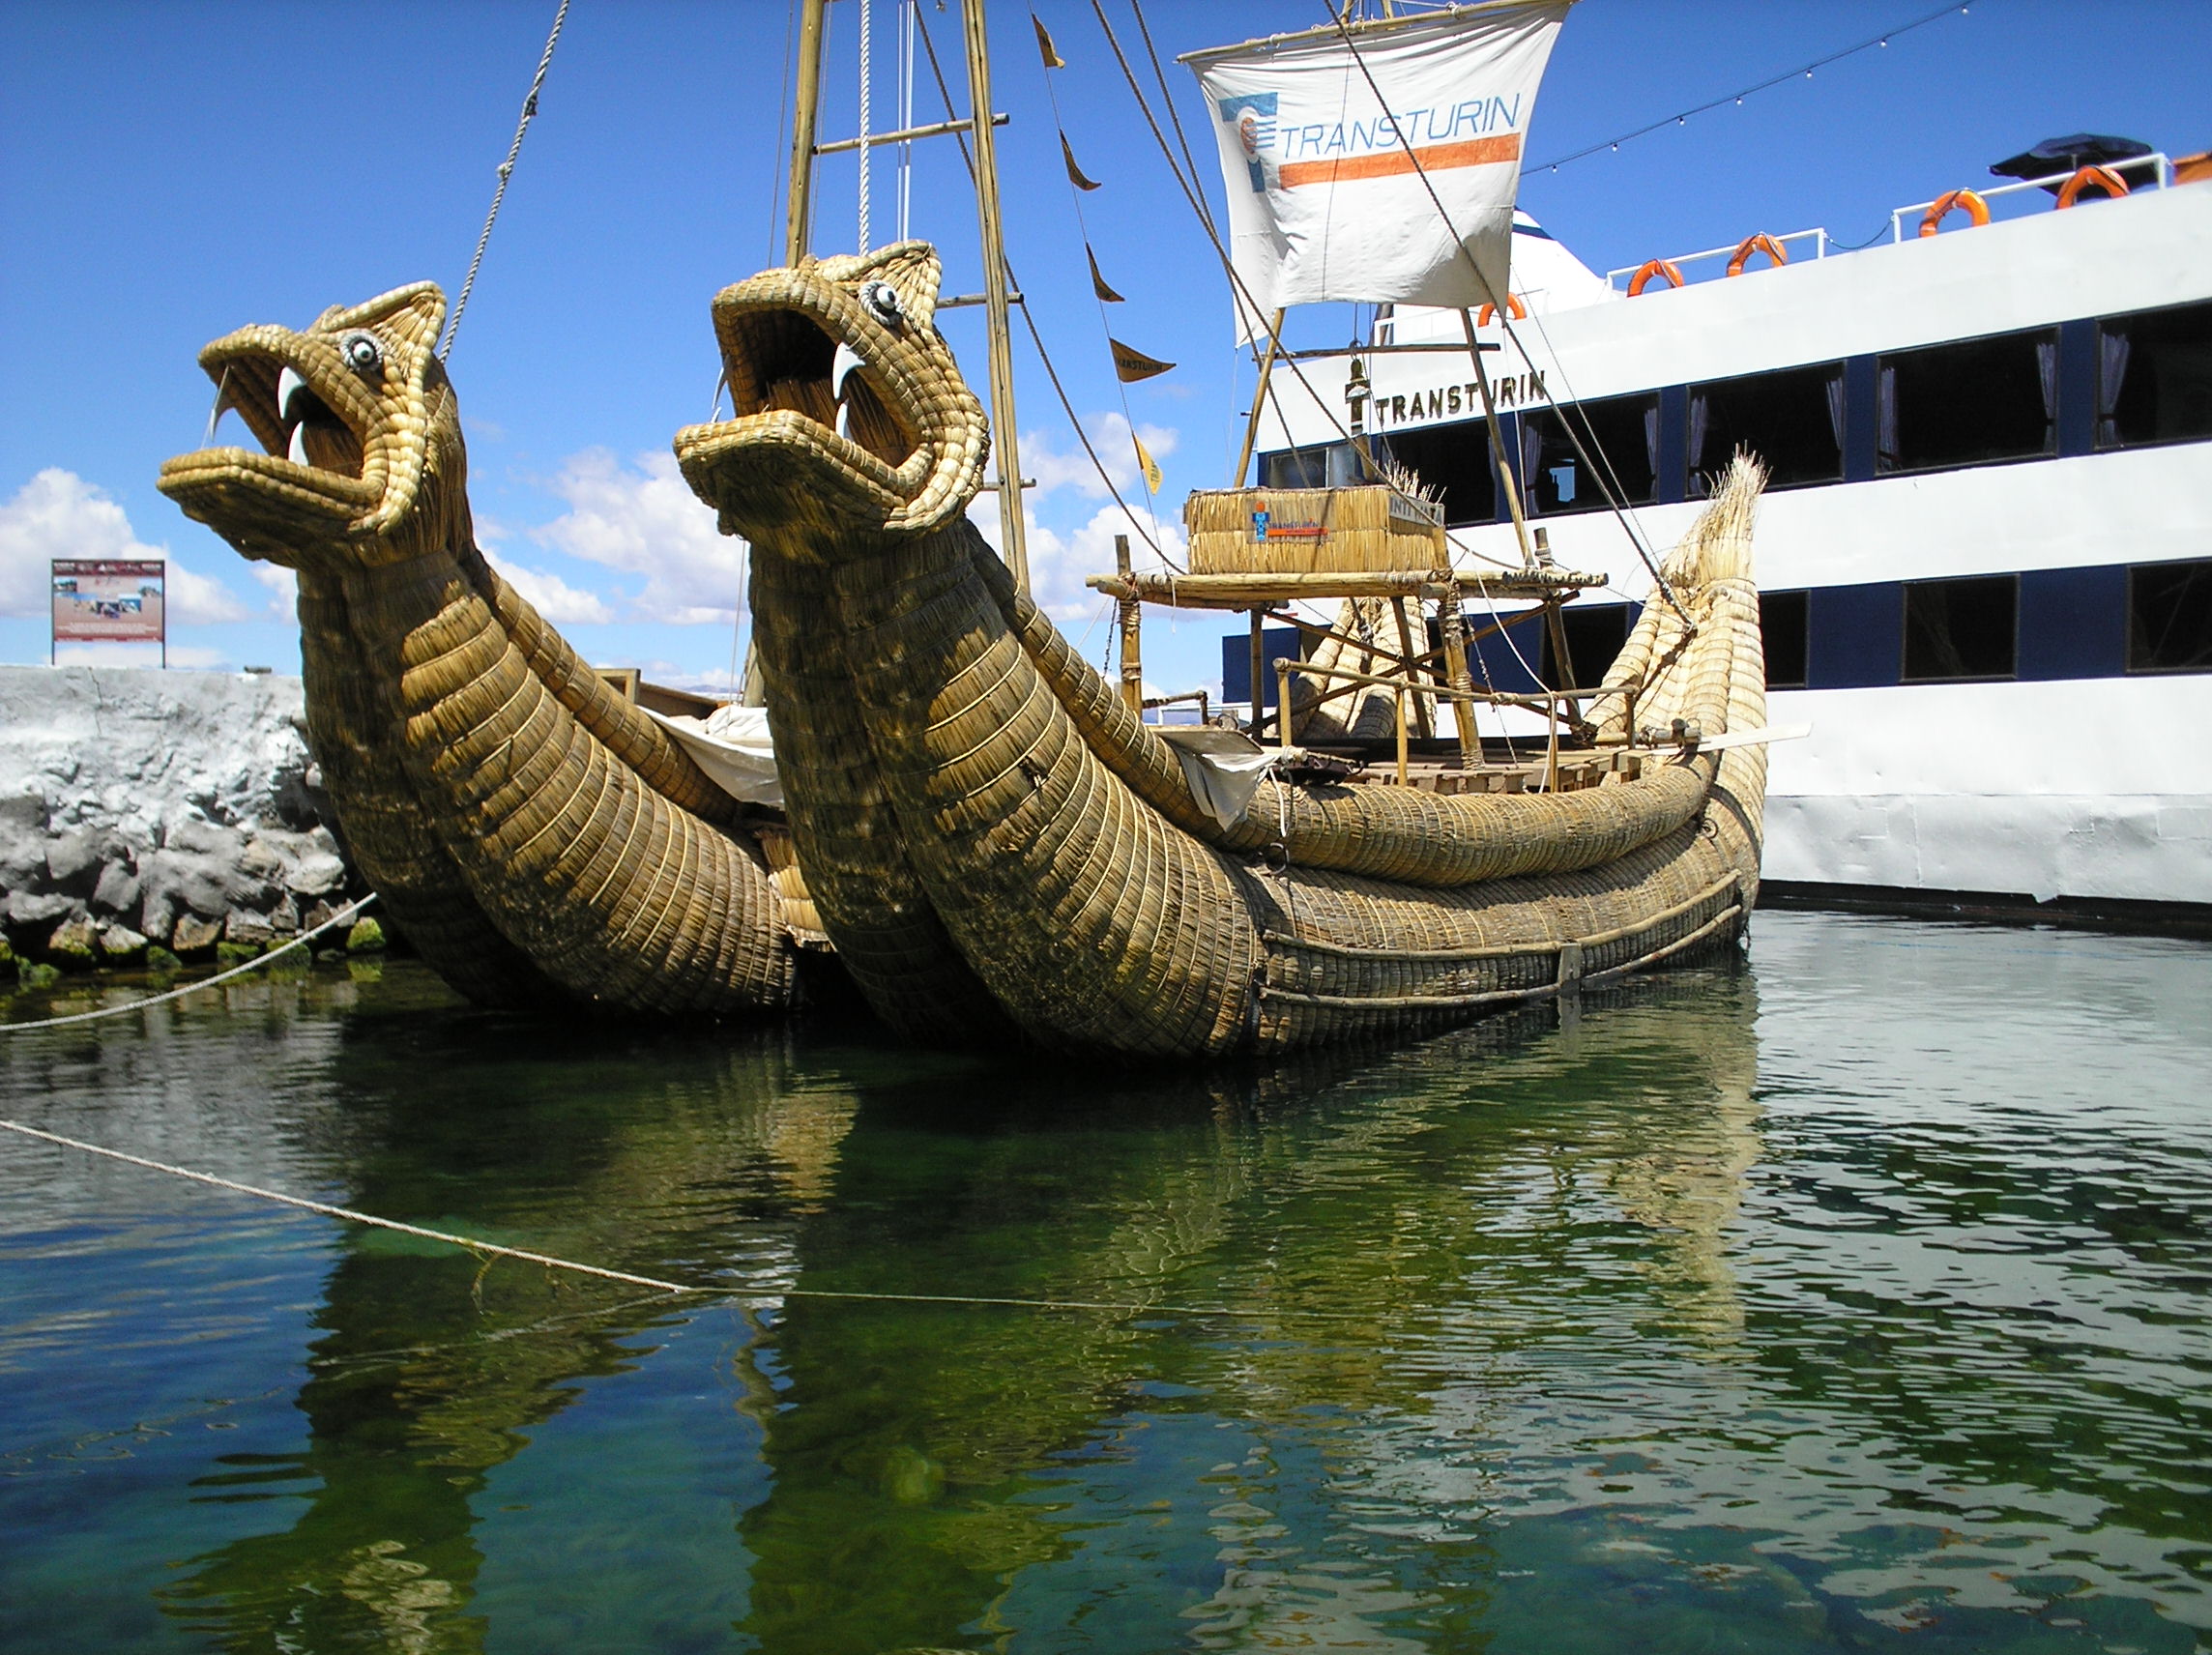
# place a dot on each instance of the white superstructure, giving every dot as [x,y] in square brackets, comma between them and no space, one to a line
[1987,552]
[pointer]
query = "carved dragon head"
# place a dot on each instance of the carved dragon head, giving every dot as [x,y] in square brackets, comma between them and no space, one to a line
[362,459]
[850,418]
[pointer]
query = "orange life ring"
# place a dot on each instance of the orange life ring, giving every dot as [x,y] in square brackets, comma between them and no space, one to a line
[1513,309]
[1649,269]
[2102,177]
[1762,242]
[1977,209]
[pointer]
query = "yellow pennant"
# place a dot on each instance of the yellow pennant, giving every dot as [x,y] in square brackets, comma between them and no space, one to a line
[1052,58]
[1098,284]
[1130,366]
[1146,463]
[1074,172]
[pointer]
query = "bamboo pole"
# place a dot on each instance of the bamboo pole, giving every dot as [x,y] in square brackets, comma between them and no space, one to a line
[1244,591]
[1398,701]
[1132,617]
[1258,669]
[1012,529]
[799,207]
[1406,646]
[1454,629]
[1259,398]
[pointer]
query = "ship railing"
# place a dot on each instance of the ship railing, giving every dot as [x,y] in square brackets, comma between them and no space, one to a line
[1617,278]
[2157,165]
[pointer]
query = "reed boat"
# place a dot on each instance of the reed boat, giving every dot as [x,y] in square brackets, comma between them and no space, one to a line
[536,836]
[993,836]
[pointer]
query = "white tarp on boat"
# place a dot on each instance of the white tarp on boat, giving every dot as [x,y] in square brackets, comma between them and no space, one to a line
[732,745]
[1326,199]
[1223,767]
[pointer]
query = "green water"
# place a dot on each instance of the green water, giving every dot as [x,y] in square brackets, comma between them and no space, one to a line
[1858,1301]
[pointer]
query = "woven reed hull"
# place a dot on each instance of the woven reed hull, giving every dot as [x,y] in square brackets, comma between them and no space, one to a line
[848,839]
[544,836]
[1091,904]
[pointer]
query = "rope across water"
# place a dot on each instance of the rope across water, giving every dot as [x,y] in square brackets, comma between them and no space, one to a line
[717,1290]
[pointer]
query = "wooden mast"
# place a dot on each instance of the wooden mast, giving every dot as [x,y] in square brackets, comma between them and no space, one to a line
[1012,531]
[800,205]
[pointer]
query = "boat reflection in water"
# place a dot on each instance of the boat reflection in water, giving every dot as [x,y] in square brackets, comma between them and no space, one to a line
[1716,1316]
[1343,1207]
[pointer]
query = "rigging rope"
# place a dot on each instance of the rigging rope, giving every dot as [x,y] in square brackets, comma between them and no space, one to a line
[1066,406]
[505,172]
[1804,68]
[867,106]
[1097,299]
[336,920]
[1504,321]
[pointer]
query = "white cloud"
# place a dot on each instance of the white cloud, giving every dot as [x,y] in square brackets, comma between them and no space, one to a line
[284,589]
[550,596]
[646,522]
[1056,468]
[58,514]
[1060,562]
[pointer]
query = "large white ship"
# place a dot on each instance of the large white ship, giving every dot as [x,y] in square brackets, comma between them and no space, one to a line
[1986,553]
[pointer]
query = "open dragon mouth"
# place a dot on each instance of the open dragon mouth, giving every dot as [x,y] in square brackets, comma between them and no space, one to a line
[293,420]
[781,359]
[311,408]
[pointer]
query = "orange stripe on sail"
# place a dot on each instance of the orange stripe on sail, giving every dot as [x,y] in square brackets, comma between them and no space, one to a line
[1387,164]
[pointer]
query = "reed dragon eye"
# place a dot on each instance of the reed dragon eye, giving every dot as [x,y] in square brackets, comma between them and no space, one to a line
[363,354]
[883,302]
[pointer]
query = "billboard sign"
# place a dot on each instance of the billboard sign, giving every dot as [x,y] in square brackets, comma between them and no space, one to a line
[108,600]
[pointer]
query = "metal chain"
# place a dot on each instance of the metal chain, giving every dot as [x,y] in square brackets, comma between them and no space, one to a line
[505,172]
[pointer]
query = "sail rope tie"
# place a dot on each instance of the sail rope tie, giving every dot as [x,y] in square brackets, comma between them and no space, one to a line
[505,172]
[340,918]
[490,1250]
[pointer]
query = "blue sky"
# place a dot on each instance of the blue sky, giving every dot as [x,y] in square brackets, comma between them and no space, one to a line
[171,171]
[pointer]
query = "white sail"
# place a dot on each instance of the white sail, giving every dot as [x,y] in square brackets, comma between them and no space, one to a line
[1385,175]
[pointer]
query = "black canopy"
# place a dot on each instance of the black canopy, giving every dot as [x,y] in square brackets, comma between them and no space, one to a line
[2065,155]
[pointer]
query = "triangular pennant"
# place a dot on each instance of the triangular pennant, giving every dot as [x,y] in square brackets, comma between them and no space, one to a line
[1052,58]
[1146,463]
[1074,172]
[1130,366]
[1106,295]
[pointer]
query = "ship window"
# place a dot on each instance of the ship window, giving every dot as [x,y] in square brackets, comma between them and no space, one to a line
[1961,629]
[1792,420]
[1595,636]
[1968,403]
[1782,619]
[1331,465]
[2155,377]
[2170,617]
[1454,461]
[1622,434]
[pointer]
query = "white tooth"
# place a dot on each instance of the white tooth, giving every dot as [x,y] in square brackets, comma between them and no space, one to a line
[844,420]
[290,390]
[297,454]
[848,358]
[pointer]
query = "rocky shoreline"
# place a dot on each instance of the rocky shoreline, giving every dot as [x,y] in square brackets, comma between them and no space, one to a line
[146,815]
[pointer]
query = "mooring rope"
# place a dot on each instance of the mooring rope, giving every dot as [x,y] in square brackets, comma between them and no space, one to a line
[253,965]
[717,1290]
